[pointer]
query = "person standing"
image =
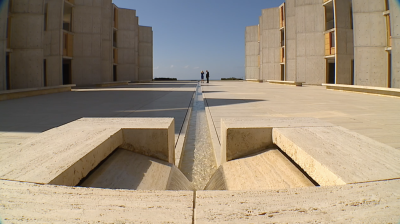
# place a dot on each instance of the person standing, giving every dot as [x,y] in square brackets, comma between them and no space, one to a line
[202,77]
[208,76]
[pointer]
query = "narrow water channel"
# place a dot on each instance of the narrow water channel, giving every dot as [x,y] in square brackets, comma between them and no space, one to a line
[198,162]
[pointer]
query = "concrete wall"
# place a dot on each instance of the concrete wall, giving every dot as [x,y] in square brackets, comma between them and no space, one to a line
[86,26]
[106,41]
[53,40]
[344,41]
[395,27]
[270,44]
[26,60]
[310,62]
[291,40]
[370,57]
[128,45]
[252,49]
[145,54]
[3,44]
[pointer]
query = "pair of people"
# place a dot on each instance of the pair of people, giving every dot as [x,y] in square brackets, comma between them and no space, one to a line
[207,76]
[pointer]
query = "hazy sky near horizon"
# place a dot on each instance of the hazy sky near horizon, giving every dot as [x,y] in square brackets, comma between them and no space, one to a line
[190,36]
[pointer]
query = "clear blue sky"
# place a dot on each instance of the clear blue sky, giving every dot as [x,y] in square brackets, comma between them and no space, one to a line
[190,36]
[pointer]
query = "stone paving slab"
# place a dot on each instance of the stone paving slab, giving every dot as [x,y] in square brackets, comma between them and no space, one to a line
[377,202]
[33,203]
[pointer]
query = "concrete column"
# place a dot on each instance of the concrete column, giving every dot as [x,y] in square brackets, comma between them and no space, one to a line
[252,49]
[26,59]
[87,27]
[3,44]
[395,28]
[344,41]
[127,44]
[370,57]
[106,41]
[291,37]
[310,62]
[271,45]
[145,54]
[53,41]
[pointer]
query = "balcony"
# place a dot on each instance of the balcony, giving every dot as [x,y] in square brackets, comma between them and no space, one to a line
[68,43]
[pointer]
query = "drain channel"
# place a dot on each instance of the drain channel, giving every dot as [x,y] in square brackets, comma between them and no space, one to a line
[198,161]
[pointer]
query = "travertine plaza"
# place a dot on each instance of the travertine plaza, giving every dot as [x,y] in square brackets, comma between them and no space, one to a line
[225,152]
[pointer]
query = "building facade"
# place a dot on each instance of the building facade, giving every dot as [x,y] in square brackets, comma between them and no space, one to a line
[56,42]
[327,41]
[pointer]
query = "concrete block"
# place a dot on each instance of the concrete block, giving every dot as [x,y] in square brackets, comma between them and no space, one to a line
[267,170]
[68,153]
[337,156]
[242,137]
[50,204]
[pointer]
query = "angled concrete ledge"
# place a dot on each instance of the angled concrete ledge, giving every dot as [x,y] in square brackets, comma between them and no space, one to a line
[336,156]
[365,89]
[292,83]
[65,155]
[242,137]
[111,84]
[21,93]
[329,154]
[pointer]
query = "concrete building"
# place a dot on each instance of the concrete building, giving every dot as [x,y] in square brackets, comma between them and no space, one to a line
[55,42]
[327,41]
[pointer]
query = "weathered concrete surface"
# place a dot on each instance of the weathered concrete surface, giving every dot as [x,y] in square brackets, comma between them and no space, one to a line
[377,202]
[128,170]
[25,202]
[68,153]
[335,155]
[267,170]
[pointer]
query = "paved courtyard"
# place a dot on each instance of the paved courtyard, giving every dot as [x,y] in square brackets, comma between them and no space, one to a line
[374,116]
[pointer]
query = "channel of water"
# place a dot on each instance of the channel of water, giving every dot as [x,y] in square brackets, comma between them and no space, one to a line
[198,160]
